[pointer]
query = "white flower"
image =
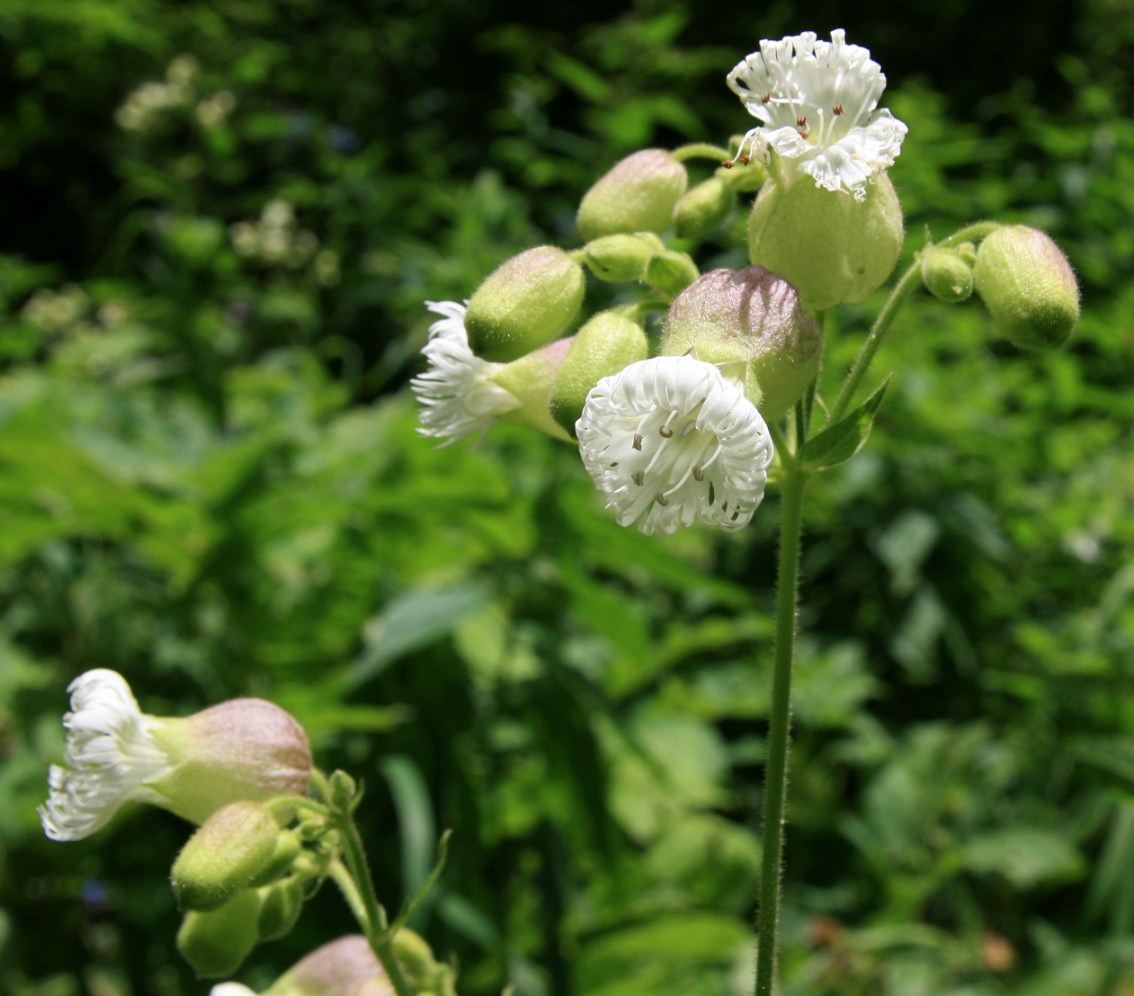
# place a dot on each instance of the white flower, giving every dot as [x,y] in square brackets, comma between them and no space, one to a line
[670,440]
[231,989]
[111,758]
[456,393]
[818,104]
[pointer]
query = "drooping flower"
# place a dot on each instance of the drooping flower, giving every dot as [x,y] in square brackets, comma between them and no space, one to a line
[817,102]
[240,749]
[457,394]
[112,757]
[670,440]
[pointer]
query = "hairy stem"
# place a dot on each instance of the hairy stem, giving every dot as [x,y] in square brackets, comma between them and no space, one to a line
[885,318]
[775,777]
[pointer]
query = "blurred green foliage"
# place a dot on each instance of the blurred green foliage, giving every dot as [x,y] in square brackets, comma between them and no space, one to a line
[222,223]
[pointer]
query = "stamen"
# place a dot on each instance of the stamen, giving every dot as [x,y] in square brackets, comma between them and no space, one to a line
[637,440]
[665,431]
[766,98]
[838,109]
[728,164]
[698,473]
[745,160]
[661,499]
[639,477]
[801,122]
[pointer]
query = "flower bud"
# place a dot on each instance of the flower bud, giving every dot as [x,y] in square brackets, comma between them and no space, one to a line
[283,857]
[947,274]
[638,194]
[1028,287]
[524,303]
[671,271]
[421,967]
[215,943]
[230,849]
[751,315]
[530,380]
[703,208]
[280,906]
[606,344]
[618,258]
[332,970]
[832,247]
[240,749]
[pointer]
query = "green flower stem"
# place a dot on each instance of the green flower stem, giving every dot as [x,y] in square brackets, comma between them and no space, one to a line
[352,876]
[885,318]
[373,920]
[700,150]
[910,279]
[794,484]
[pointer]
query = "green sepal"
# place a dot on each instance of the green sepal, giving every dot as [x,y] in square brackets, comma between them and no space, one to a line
[846,437]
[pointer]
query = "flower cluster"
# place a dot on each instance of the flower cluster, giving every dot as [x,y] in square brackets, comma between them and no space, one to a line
[671,427]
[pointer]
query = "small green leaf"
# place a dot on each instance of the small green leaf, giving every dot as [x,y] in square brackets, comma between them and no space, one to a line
[844,439]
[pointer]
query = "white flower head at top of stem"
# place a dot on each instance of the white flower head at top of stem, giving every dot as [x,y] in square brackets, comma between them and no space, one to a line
[671,440]
[111,758]
[817,102]
[457,395]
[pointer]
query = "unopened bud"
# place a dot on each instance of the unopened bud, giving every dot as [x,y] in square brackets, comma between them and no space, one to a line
[606,344]
[832,247]
[638,194]
[243,749]
[618,258]
[753,316]
[284,856]
[225,855]
[215,943]
[333,968]
[417,960]
[280,906]
[947,275]
[671,272]
[524,303]
[703,208]
[1028,287]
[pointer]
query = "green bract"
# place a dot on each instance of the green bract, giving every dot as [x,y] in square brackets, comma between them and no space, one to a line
[525,303]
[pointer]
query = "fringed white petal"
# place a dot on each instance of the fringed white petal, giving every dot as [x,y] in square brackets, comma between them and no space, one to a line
[456,394]
[671,440]
[111,757]
[817,102]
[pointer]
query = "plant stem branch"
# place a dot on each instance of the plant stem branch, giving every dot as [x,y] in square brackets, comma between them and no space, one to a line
[775,778]
[885,318]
